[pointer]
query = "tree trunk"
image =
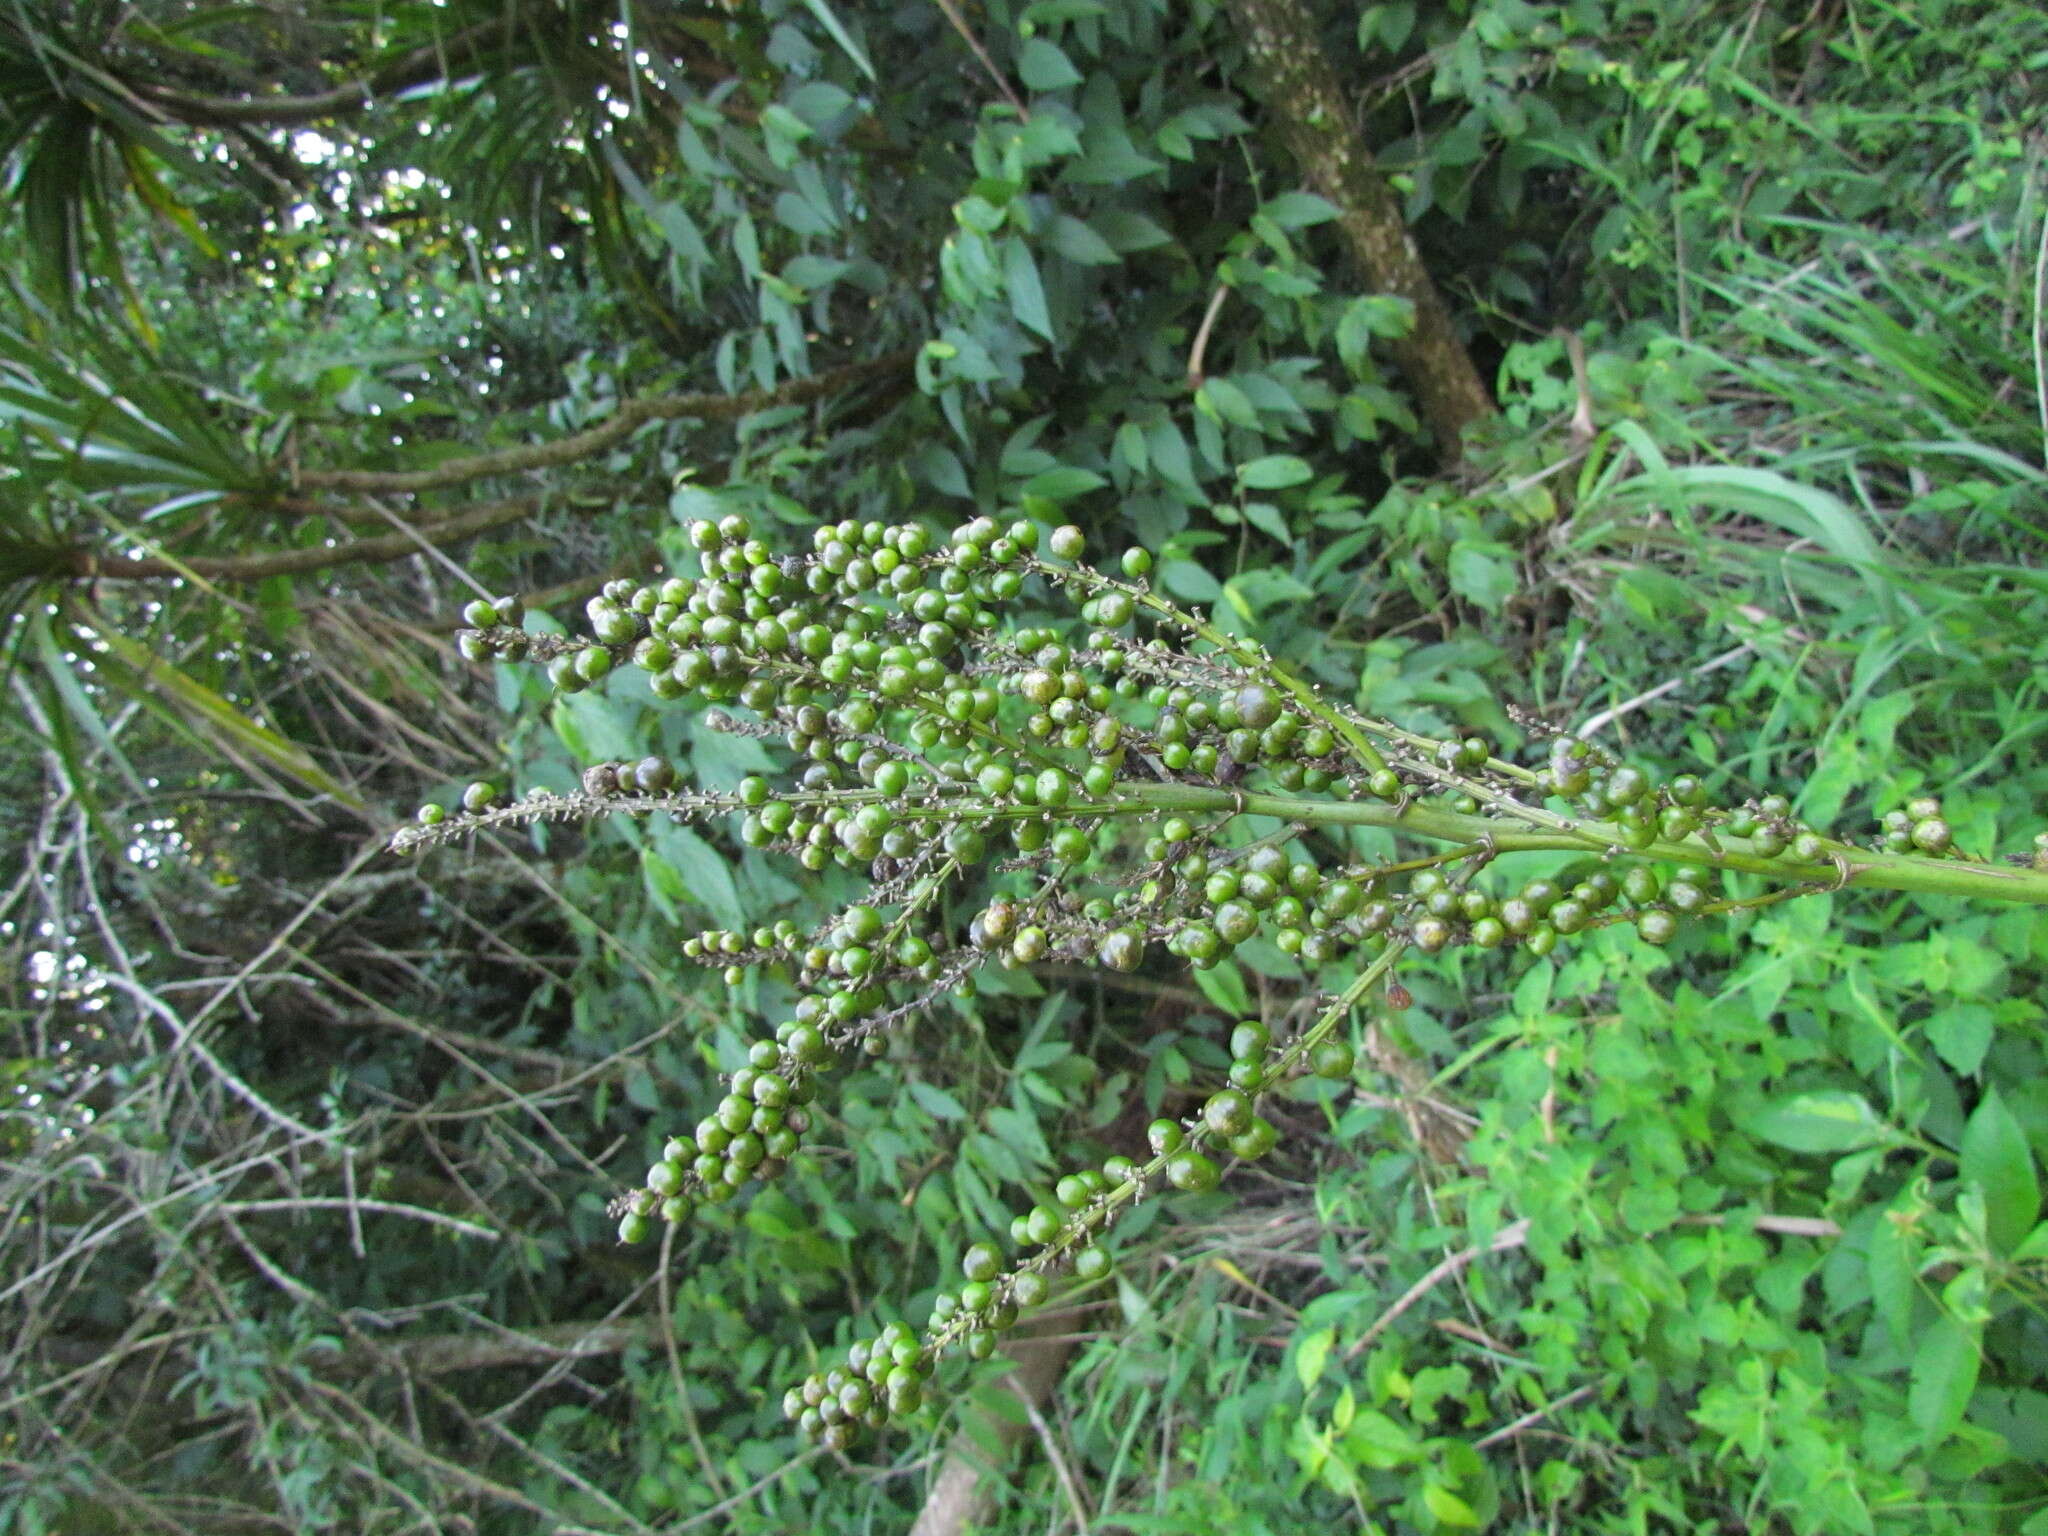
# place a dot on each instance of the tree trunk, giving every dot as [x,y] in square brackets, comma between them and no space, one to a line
[964,1493]
[1304,96]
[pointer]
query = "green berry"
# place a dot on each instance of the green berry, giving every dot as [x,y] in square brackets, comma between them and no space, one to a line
[1228,1113]
[1121,950]
[1932,835]
[1256,1140]
[981,1263]
[1190,1171]
[1333,1059]
[1257,705]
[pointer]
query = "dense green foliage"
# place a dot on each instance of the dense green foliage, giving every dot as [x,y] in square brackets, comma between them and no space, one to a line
[319,327]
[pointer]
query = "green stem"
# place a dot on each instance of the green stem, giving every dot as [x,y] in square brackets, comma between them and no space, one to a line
[1857,867]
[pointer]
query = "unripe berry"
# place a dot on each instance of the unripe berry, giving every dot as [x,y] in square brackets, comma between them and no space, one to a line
[1191,1171]
[981,1263]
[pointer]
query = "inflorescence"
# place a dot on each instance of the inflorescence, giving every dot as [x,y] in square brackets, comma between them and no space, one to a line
[1084,787]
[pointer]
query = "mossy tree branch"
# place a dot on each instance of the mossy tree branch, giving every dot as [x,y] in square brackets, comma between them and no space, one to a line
[626,419]
[23,559]
[1307,102]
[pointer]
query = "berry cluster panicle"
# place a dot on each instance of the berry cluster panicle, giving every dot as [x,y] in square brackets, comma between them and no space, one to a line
[1083,785]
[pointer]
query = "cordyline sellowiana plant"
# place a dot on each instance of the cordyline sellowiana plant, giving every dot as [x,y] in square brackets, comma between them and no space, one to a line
[1077,782]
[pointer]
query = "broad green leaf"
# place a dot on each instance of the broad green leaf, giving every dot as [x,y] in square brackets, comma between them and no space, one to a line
[1945,1366]
[1027,292]
[1378,1441]
[1373,315]
[1063,482]
[1996,1158]
[1224,986]
[1961,1035]
[1893,1269]
[1448,1508]
[1079,242]
[1225,400]
[1130,447]
[1821,1122]
[1482,572]
[1189,582]
[1127,230]
[1297,210]
[935,1101]
[1042,67]
[707,876]
[1275,472]
[1266,517]
[818,102]
[1311,1354]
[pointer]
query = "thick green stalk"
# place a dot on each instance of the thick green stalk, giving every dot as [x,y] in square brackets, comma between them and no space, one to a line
[1845,865]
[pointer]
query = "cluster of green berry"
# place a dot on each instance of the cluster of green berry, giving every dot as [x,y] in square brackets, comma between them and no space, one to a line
[497,618]
[884,1378]
[1084,786]
[1918,828]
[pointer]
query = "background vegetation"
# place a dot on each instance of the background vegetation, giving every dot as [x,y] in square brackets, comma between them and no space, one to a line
[320,321]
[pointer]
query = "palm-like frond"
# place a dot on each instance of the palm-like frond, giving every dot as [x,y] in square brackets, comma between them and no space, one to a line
[75,140]
[111,423]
